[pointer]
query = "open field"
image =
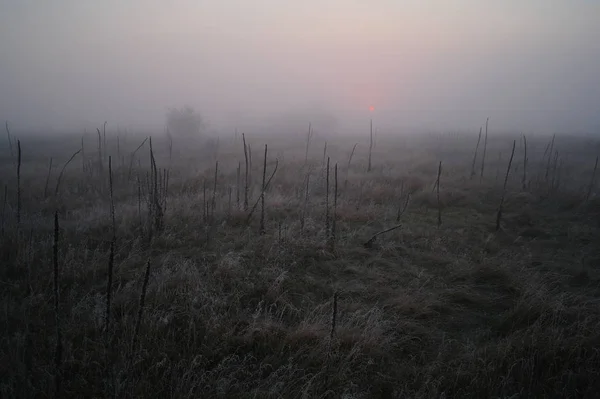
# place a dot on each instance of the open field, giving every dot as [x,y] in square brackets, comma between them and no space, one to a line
[298,308]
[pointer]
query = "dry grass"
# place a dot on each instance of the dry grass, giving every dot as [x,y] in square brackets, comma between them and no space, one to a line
[457,311]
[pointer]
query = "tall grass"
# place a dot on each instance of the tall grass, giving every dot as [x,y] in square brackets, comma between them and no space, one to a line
[258,314]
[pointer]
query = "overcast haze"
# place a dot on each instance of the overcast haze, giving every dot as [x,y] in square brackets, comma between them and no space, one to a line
[530,65]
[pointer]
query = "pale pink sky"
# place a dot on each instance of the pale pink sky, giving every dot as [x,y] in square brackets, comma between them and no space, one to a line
[527,64]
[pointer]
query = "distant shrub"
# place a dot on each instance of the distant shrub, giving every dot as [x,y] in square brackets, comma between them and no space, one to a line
[185,122]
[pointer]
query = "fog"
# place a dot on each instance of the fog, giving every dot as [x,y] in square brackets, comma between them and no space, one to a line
[528,65]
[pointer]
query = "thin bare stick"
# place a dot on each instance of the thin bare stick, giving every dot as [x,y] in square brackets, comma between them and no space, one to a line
[111,254]
[371,240]
[112,202]
[327,201]
[132,158]
[360,195]
[139,185]
[266,187]
[558,173]
[104,135]
[334,216]
[554,165]
[62,171]
[305,207]
[55,260]
[100,165]
[148,189]
[545,152]
[229,190]
[498,167]
[166,187]
[250,165]
[111,257]
[524,180]
[370,146]
[158,212]
[18,182]
[47,179]
[549,158]
[587,196]
[262,195]
[161,185]
[4,208]
[499,214]
[475,154]
[279,236]
[439,221]
[82,156]
[170,148]
[308,137]
[246,173]
[484,147]
[348,166]
[402,209]
[213,203]
[333,315]
[237,187]
[150,195]
[204,203]
[9,141]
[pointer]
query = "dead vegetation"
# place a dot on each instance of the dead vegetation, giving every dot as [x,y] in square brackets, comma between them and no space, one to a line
[354,292]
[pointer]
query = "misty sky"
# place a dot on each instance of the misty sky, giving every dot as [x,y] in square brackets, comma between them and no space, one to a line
[528,64]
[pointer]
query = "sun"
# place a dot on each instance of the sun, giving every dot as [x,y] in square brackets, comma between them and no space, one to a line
[371,108]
